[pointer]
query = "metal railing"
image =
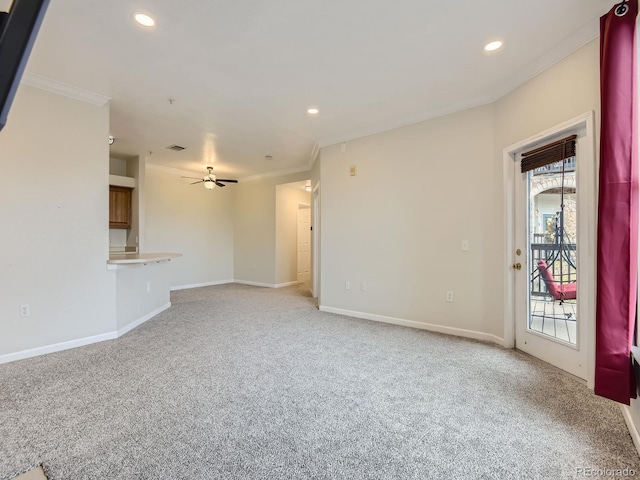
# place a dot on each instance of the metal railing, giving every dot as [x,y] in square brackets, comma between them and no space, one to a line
[569,166]
[562,264]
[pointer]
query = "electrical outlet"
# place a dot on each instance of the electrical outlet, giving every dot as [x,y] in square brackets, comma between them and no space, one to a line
[347,285]
[148,287]
[353,170]
[25,310]
[449,296]
[363,286]
[465,245]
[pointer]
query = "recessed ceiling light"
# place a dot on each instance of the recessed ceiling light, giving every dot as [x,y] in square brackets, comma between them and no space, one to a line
[144,20]
[492,46]
[313,110]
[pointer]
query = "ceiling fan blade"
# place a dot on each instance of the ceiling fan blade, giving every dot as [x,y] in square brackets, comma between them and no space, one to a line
[228,181]
[195,178]
[199,181]
[219,184]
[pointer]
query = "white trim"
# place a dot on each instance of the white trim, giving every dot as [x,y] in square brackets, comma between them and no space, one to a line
[127,328]
[277,173]
[586,280]
[458,332]
[57,347]
[64,89]
[198,285]
[315,281]
[569,45]
[509,309]
[406,121]
[628,418]
[254,284]
[120,181]
[81,342]
[267,285]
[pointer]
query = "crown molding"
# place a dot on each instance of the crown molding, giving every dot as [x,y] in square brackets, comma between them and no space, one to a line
[64,89]
[569,45]
[406,121]
[278,173]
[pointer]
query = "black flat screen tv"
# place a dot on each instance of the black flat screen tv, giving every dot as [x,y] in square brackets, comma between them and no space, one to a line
[18,30]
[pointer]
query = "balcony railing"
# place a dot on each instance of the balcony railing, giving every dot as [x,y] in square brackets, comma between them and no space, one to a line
[564,271]
[569,166]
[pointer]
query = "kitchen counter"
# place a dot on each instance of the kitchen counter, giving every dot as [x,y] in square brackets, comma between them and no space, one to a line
[144,258]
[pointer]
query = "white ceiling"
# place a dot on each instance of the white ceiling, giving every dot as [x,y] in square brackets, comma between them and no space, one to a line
[242,73]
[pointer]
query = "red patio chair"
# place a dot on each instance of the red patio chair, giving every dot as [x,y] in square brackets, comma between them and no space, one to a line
[567,291]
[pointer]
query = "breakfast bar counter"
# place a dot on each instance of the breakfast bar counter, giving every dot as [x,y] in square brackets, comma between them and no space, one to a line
[144,258]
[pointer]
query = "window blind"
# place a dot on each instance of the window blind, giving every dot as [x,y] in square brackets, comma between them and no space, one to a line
[550,153]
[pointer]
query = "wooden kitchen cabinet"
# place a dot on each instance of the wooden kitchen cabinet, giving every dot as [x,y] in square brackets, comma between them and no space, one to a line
[119,207]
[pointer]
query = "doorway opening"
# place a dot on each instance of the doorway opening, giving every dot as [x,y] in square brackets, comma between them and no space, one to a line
[293,257]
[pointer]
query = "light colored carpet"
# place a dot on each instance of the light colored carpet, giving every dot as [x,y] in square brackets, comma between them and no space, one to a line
[239,382]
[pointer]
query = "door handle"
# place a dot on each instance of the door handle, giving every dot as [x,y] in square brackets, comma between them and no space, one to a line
[517,266]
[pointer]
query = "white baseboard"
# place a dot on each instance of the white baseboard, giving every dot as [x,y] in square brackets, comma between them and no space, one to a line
[242,282]
[287,284]
[198,285]
[267,285]
[57,347]
[635,436]
[127,328]
[458,332]
[255,284]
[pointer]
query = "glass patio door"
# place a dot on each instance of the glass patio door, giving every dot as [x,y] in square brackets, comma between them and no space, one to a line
[546,263]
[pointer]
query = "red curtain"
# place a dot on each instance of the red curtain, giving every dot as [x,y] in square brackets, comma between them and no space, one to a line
[618,205]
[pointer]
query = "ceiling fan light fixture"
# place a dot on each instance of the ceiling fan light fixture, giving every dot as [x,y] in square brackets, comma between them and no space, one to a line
[209,184]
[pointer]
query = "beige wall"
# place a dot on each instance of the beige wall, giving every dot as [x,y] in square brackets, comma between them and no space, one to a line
[193,221]
[288,196]
[421,189]
[398,224]
[254,220]
[140,290]
[54,207]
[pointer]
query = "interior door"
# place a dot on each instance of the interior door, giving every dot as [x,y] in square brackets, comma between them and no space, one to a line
[304,243]
[552,258]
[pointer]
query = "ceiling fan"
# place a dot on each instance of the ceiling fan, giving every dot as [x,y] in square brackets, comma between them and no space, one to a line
[210,181]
